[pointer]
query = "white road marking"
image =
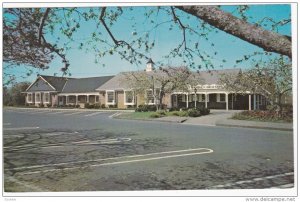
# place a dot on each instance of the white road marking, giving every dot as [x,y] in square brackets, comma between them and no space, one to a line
[13,136]
[251,181]
[92,114]
[84,142]
[105,141]
[114,158]
[31,187]
[115,114]
[22,128]
[74,113]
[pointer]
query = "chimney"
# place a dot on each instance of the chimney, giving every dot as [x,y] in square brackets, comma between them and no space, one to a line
[149,66]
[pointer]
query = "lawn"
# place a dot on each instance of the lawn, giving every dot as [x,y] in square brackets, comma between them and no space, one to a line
[267,116]
[136,115]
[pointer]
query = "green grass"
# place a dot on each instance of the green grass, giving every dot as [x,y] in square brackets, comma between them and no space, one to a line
[151,115]
[136,115]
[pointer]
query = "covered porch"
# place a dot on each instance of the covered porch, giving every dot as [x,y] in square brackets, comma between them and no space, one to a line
[219,100]
[78,100]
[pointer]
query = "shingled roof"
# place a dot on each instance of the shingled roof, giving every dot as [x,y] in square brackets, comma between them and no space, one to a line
[213,76]
[207,77]
[57,82]
[80,85]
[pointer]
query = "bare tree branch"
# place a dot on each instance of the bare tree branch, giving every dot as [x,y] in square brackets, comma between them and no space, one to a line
[42,23]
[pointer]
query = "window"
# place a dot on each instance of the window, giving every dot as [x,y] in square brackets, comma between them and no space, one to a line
[182,98]
[110,97]
[129,97]
[46,97]
[29,97]
[149,97]
[201,97]
[221,97]
[37,97]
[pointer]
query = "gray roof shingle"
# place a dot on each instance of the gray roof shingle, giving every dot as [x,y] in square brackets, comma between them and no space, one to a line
[83,85]
[209,77]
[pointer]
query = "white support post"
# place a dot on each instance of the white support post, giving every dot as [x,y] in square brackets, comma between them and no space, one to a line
[254,102]
[67,100]
[87,99]
[76,101]
[226,100]
[206,100]
[187,100]
[249,102]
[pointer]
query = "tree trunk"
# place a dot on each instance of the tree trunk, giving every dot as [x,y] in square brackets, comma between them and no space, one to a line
[256,35]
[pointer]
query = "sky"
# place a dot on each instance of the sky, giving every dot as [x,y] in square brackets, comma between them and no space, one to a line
[228,48]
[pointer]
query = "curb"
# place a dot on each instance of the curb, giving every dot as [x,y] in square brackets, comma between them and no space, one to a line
[257,127]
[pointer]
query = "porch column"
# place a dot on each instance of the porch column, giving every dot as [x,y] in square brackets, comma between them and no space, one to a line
[254,102]
[187,100]
[67,99]
[206,100]
[87,99]
[226,100]
[249,102]
[76,100]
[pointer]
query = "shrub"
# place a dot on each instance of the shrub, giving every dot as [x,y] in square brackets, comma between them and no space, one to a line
[155,115]
[77,106]
[261,116]
[204,111]
[48,105]
[102,106]
[146,108]
[172,109]
[87,105]
[194,113]
[97,106]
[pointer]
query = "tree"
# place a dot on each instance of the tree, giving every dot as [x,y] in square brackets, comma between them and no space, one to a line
[34,36]
[272,79]
[162,81]
[14,96]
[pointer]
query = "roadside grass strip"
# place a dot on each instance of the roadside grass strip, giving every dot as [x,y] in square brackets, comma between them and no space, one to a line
[22,128]
[37,169]
[250,181]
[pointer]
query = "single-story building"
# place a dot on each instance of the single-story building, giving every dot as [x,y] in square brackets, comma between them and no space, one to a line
[112,91]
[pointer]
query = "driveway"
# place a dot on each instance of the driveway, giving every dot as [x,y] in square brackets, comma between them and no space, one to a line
[212,118]
[89,151]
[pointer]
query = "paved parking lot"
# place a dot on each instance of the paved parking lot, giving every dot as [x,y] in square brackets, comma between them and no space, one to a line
[78,150]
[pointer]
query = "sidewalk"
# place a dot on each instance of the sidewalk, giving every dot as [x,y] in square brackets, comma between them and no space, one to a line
[222,118]
[255,124]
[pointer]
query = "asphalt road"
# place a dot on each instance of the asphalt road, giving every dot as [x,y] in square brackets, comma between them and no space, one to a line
[48,150]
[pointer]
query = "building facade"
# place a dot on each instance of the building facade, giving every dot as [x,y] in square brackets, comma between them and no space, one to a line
[113,92]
